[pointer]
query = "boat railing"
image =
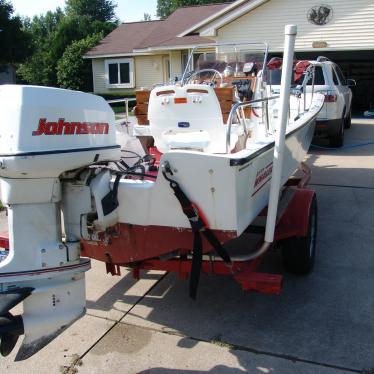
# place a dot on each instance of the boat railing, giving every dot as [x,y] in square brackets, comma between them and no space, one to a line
[302,88]
[125,121]
[243,105]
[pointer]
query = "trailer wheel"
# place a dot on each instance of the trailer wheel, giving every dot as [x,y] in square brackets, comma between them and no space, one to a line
[298,253]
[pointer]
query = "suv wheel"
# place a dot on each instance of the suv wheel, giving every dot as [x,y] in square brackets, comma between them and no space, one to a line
[337,140]
[348,120]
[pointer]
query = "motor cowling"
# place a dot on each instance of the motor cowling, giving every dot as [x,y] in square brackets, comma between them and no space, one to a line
[46,131]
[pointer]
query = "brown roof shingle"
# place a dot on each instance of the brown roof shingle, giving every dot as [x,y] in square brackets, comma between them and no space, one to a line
[124,38]
[141,35]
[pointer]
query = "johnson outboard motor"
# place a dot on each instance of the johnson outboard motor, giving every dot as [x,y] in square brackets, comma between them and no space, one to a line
[48,137]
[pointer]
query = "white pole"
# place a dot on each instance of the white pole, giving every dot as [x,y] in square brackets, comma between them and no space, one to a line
[280,135]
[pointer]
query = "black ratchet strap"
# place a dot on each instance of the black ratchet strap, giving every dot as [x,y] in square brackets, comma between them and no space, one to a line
[198,227]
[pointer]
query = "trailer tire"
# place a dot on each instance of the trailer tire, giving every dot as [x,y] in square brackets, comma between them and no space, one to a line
[298,253]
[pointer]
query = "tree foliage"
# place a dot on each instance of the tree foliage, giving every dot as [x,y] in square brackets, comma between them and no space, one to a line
[166,7]
[73,71]
[54,32]
[100,10]
[14,41]
[147,17]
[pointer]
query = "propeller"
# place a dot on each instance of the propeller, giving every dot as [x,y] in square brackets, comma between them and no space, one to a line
[11,327]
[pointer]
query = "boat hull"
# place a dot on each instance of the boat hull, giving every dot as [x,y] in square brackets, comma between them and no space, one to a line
[229,189]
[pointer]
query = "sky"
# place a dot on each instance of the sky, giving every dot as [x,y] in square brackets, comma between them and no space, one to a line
[127,10]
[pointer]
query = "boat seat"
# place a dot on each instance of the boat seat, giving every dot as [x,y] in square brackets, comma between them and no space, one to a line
[188,117]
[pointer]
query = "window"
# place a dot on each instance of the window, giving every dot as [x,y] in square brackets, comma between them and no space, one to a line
[319,78]
[274,77]
[120,73]
[340,75]
[184,57]
[335,78]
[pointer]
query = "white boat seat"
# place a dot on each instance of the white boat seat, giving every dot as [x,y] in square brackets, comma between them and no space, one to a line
[188,117]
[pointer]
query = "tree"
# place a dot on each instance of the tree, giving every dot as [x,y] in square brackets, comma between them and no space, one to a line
[100,10]
[166,7]
[51,35]
[72,70]
[74,27]
[39,68]
[14,41]
[147,17]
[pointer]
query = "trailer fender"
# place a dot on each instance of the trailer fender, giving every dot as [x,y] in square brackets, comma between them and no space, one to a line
[295,219]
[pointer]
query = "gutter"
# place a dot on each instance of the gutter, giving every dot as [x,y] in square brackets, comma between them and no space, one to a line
[108,55]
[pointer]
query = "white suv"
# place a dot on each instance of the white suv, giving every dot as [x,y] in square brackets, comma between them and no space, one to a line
[335,115]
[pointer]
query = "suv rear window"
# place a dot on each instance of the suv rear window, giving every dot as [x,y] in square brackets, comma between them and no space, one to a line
[319,79]
[340,75]
[275,77]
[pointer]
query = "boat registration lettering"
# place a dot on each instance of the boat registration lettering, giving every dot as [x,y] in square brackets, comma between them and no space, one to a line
[262,177]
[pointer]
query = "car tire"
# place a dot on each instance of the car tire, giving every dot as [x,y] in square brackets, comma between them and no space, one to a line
[337,140]
[348,120]
[298,253]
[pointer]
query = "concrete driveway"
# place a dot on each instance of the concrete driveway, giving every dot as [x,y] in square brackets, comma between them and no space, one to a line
[322,323]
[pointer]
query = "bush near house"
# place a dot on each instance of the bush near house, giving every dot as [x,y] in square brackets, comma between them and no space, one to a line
[73,71]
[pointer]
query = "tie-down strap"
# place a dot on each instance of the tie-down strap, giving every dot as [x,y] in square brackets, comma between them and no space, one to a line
[199,226]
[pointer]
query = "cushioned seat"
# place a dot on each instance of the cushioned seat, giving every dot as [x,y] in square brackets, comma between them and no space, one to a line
[187,117]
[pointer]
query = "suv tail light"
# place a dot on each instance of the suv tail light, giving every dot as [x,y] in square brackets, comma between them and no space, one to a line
[330,96]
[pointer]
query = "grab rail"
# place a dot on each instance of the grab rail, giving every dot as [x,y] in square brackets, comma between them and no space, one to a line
[233,111]
[124,100]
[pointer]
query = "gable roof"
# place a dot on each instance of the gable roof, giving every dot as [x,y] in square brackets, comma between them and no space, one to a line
[212,17]
[146,36]
[209,25]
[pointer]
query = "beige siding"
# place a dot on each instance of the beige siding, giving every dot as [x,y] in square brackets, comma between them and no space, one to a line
[98,72]
[175,64]
[352,25]
[148,71]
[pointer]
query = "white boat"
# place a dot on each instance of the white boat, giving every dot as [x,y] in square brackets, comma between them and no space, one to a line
[220,165]
[225,167]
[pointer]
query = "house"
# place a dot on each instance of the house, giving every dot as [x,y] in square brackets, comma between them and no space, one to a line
[142,54]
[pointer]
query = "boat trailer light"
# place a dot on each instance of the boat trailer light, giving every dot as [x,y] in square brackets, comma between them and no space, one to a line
[180,100]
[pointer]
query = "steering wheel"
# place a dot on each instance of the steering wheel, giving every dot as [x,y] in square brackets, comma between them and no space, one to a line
[211,82]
